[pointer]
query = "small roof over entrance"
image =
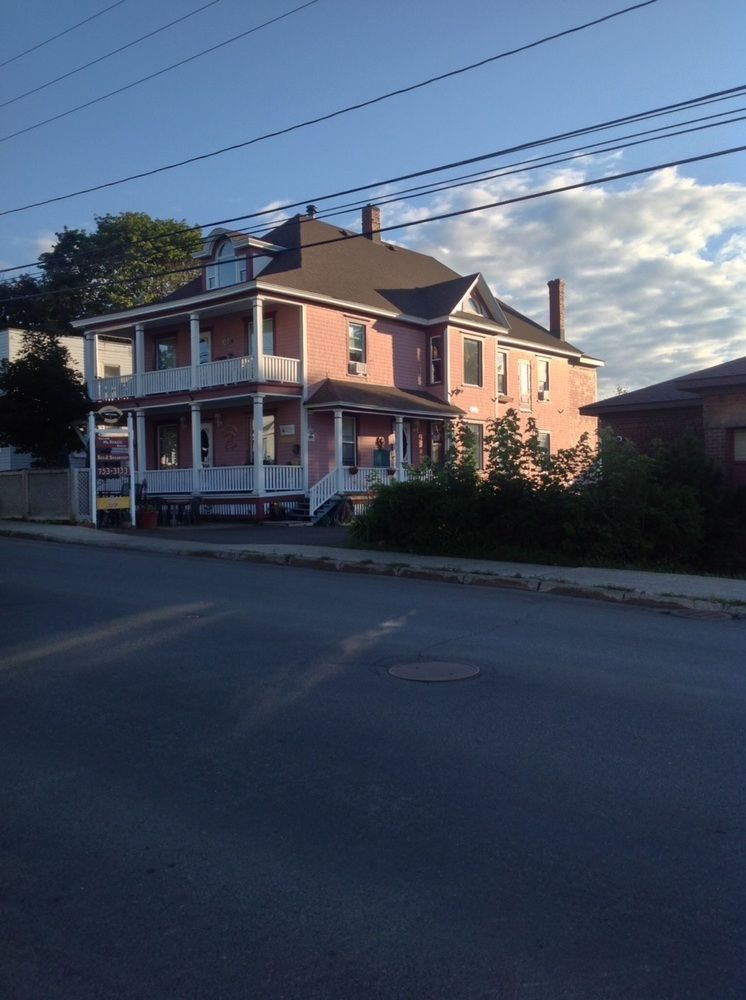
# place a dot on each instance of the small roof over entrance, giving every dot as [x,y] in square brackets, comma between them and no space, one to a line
[335,394]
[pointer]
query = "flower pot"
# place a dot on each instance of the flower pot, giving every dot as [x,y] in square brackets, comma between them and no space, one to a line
[147,519]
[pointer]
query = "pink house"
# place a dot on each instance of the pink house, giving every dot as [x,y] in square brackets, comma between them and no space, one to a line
[311,362]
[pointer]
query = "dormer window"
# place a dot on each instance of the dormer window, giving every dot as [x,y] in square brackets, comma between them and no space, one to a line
[473,305]
[228,268]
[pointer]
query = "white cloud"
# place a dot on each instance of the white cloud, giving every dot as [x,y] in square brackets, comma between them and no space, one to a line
[655,270]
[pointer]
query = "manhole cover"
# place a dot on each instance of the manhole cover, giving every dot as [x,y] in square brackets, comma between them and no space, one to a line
[433,670]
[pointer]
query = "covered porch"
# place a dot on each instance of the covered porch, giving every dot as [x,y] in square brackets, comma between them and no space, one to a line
[365,435]
[248,445]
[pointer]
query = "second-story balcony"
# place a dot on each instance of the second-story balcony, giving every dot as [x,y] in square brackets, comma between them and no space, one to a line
[227,371]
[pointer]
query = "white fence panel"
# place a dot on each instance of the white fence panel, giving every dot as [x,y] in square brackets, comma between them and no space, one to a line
[227,479]
[283,477]
[168,480]
[115,387]
[281,369]
[166,380]
[227,371]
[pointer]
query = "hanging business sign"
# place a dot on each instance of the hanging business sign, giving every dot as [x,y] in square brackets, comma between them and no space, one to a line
[109,416]
[112,468]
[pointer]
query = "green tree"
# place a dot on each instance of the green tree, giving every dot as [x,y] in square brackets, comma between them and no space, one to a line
[41,395]
[120,265]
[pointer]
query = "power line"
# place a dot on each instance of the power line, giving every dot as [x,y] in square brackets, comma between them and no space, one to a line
[108,55]
[700,101]
[320,118]
[456,213]
[160,72]
[61,33]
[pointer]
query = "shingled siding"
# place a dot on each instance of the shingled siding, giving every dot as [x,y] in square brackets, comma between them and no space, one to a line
[570,386]
[395,352]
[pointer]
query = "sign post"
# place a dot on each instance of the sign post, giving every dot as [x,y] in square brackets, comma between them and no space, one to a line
[112,447]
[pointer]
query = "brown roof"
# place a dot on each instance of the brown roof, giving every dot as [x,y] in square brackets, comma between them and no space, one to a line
[363,396]
[327,260]
[523,328]
[730,373]
[685,390]
[661,395]
[357,269]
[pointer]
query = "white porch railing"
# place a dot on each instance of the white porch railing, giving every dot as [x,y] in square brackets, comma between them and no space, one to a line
[227,372]
[283,477]
[169,480]
[225,479]
[115,387]
[166,380]
[281,369]
[325,488]
[362,480]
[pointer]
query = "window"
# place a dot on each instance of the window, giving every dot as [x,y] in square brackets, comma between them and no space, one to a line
[475,306]
[477,445]
[112,371]
[349,441]
[165,353]
[269,450]
[502,373]
[436,360]
[542,376]
[227,269]
[168,446]
[356,342]
[739,445]
[205,348]
[472,361]
[524,384]
[268,336]
[545,441]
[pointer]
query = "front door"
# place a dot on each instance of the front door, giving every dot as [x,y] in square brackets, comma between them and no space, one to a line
[206,440]
[406,447]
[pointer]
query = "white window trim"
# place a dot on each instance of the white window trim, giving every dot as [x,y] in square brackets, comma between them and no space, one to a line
[476,340]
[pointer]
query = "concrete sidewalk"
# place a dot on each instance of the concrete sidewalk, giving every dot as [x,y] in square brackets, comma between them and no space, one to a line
[707,595]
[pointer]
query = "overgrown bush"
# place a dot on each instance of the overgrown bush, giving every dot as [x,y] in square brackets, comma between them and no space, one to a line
[608,504]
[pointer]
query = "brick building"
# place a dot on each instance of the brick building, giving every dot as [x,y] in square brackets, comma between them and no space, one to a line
[314,360]
[710,403]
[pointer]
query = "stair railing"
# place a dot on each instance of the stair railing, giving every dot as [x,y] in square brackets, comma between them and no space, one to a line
[323,490]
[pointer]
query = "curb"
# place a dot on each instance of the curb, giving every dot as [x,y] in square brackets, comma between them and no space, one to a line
[698,607]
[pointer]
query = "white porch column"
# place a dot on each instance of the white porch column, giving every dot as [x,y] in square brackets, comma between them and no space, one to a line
[194,347]
[304,446]
[304,396]
[139,357]
[399,446]
[131,464]
[142,451]
[91,363]
[338,415]
[196,448]
[258,434]
[258,327]
[92,463]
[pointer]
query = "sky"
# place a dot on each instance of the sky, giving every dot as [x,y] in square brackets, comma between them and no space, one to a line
[655,265]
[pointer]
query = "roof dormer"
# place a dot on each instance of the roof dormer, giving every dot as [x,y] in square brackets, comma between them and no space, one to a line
[232,258]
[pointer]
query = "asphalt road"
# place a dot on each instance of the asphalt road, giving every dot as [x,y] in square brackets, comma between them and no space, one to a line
[210,787]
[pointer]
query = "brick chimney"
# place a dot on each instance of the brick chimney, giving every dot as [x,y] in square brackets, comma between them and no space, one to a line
[557,308]
[372,222]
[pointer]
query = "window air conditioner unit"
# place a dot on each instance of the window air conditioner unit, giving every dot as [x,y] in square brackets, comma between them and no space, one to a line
[357,368]
[544,394]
